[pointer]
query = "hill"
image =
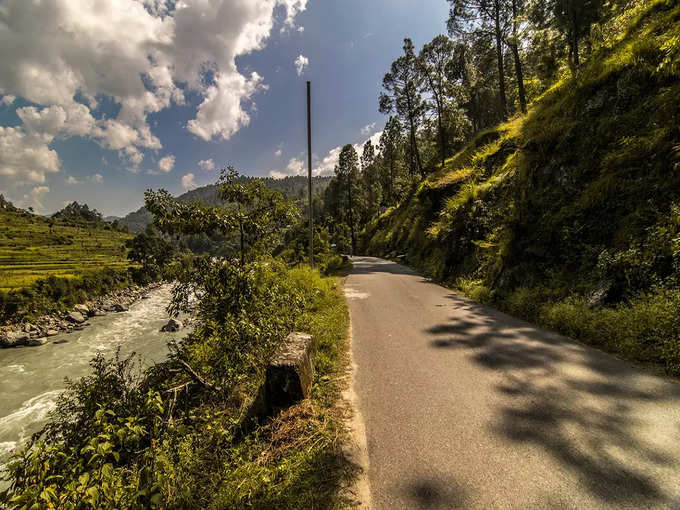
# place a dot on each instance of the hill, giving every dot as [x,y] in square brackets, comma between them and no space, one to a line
[569,216]
[34,247]
[293,188]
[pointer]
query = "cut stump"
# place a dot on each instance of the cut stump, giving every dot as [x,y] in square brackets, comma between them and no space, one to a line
[290,373]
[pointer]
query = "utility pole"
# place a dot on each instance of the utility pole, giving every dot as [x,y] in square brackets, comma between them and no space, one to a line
[309,175]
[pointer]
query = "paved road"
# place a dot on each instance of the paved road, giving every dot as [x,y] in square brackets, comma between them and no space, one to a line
[466,407]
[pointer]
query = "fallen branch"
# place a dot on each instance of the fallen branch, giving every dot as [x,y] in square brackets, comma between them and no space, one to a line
[206,384]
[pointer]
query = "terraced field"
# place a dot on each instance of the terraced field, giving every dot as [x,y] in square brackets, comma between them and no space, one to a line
[32,247]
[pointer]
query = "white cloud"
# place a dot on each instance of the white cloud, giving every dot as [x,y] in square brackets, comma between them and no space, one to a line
[144,55]
[166,164]
[25,158]
[301,62]
[33,198]
[7,99]
[367,128]
[295,167]
[188,181]
[278,153]
[97,178]
[207,165]
[327,165]
[301,29]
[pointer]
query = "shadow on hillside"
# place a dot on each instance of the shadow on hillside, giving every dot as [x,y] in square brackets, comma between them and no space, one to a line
[572,401]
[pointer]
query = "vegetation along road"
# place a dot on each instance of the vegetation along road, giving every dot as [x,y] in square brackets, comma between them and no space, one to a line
[467,407]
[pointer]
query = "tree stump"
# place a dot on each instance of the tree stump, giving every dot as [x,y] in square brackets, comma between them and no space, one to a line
[290,373]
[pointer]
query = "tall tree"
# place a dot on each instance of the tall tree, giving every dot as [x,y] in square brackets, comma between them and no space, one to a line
[514,44]
[371,182]
[403,95]
[436,59]
[346,171]
[573,18]
[390,143]
[482,19]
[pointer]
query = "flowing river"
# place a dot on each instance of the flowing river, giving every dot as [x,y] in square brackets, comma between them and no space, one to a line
[31,378]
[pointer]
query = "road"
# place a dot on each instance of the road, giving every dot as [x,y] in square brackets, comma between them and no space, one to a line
[466,407]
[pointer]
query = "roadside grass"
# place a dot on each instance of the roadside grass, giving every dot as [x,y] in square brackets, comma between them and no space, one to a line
[33,247]
[295,460]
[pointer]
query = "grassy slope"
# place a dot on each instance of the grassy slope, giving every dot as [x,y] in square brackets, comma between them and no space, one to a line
[29,251]
[581,196]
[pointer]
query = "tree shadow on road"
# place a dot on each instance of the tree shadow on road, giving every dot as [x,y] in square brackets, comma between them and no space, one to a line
[580,405]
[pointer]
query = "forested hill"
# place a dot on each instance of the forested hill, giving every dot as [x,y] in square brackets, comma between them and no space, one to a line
[569,216]
[292,187]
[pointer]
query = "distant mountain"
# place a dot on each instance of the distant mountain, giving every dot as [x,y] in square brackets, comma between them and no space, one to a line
[294,188]
[111,219]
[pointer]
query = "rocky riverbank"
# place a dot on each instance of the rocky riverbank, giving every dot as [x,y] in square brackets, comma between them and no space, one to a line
[35,333]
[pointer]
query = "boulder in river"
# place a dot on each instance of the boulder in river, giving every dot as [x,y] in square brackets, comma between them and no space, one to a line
[172,325]
[119,307]
[34,342]
[76,317]
[52,332]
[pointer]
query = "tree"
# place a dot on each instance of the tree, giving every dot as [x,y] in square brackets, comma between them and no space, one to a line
[346,171]
[403,88]
[150,250]
[370,180]
[436,59]
[491,18]
[573,18]
[257,216]
[390,145]
[514,44]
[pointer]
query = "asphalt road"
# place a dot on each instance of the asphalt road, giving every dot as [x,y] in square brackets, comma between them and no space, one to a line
[466,407]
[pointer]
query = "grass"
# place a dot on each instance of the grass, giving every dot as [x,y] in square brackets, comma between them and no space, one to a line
[30,249]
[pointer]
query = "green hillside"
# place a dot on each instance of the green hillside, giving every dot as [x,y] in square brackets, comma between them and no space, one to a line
[569,216]
[33,247]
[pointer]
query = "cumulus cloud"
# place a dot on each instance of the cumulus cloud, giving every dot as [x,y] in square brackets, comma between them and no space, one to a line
[144,55]
[278,153]
[207,165]
[96,178]
[72,180]
[166,164]
[34,199]
[188,181]
[301,62]
[295,167]
[301,29]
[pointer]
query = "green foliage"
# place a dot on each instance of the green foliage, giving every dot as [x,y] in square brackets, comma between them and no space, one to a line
[55,294]
[151,252]
[122,438]
[578,198]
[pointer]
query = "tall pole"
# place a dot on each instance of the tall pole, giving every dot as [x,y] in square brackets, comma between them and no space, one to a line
[309,175]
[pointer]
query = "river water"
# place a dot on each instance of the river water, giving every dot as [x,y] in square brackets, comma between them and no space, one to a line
[31,378]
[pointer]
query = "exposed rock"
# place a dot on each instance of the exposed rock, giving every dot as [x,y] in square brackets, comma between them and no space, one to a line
[289,375]
[62,341]
[79,327]
[99,313]
[51,332]
[598,297]
[84,309]
[35,342]
[172,325]
[119,307]
[76,317]
[14,338]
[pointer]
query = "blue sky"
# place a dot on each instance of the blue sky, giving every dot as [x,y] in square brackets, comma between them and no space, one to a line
[85,129]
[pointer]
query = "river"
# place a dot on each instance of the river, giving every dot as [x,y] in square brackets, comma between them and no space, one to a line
[31,378]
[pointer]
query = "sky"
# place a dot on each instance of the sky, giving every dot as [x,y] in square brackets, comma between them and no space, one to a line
[101,99]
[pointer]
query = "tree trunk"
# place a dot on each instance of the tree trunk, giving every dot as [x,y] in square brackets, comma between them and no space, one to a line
[499,57]
[391,187]
[518,61]
[242,243]
[351,215]
[442,138]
